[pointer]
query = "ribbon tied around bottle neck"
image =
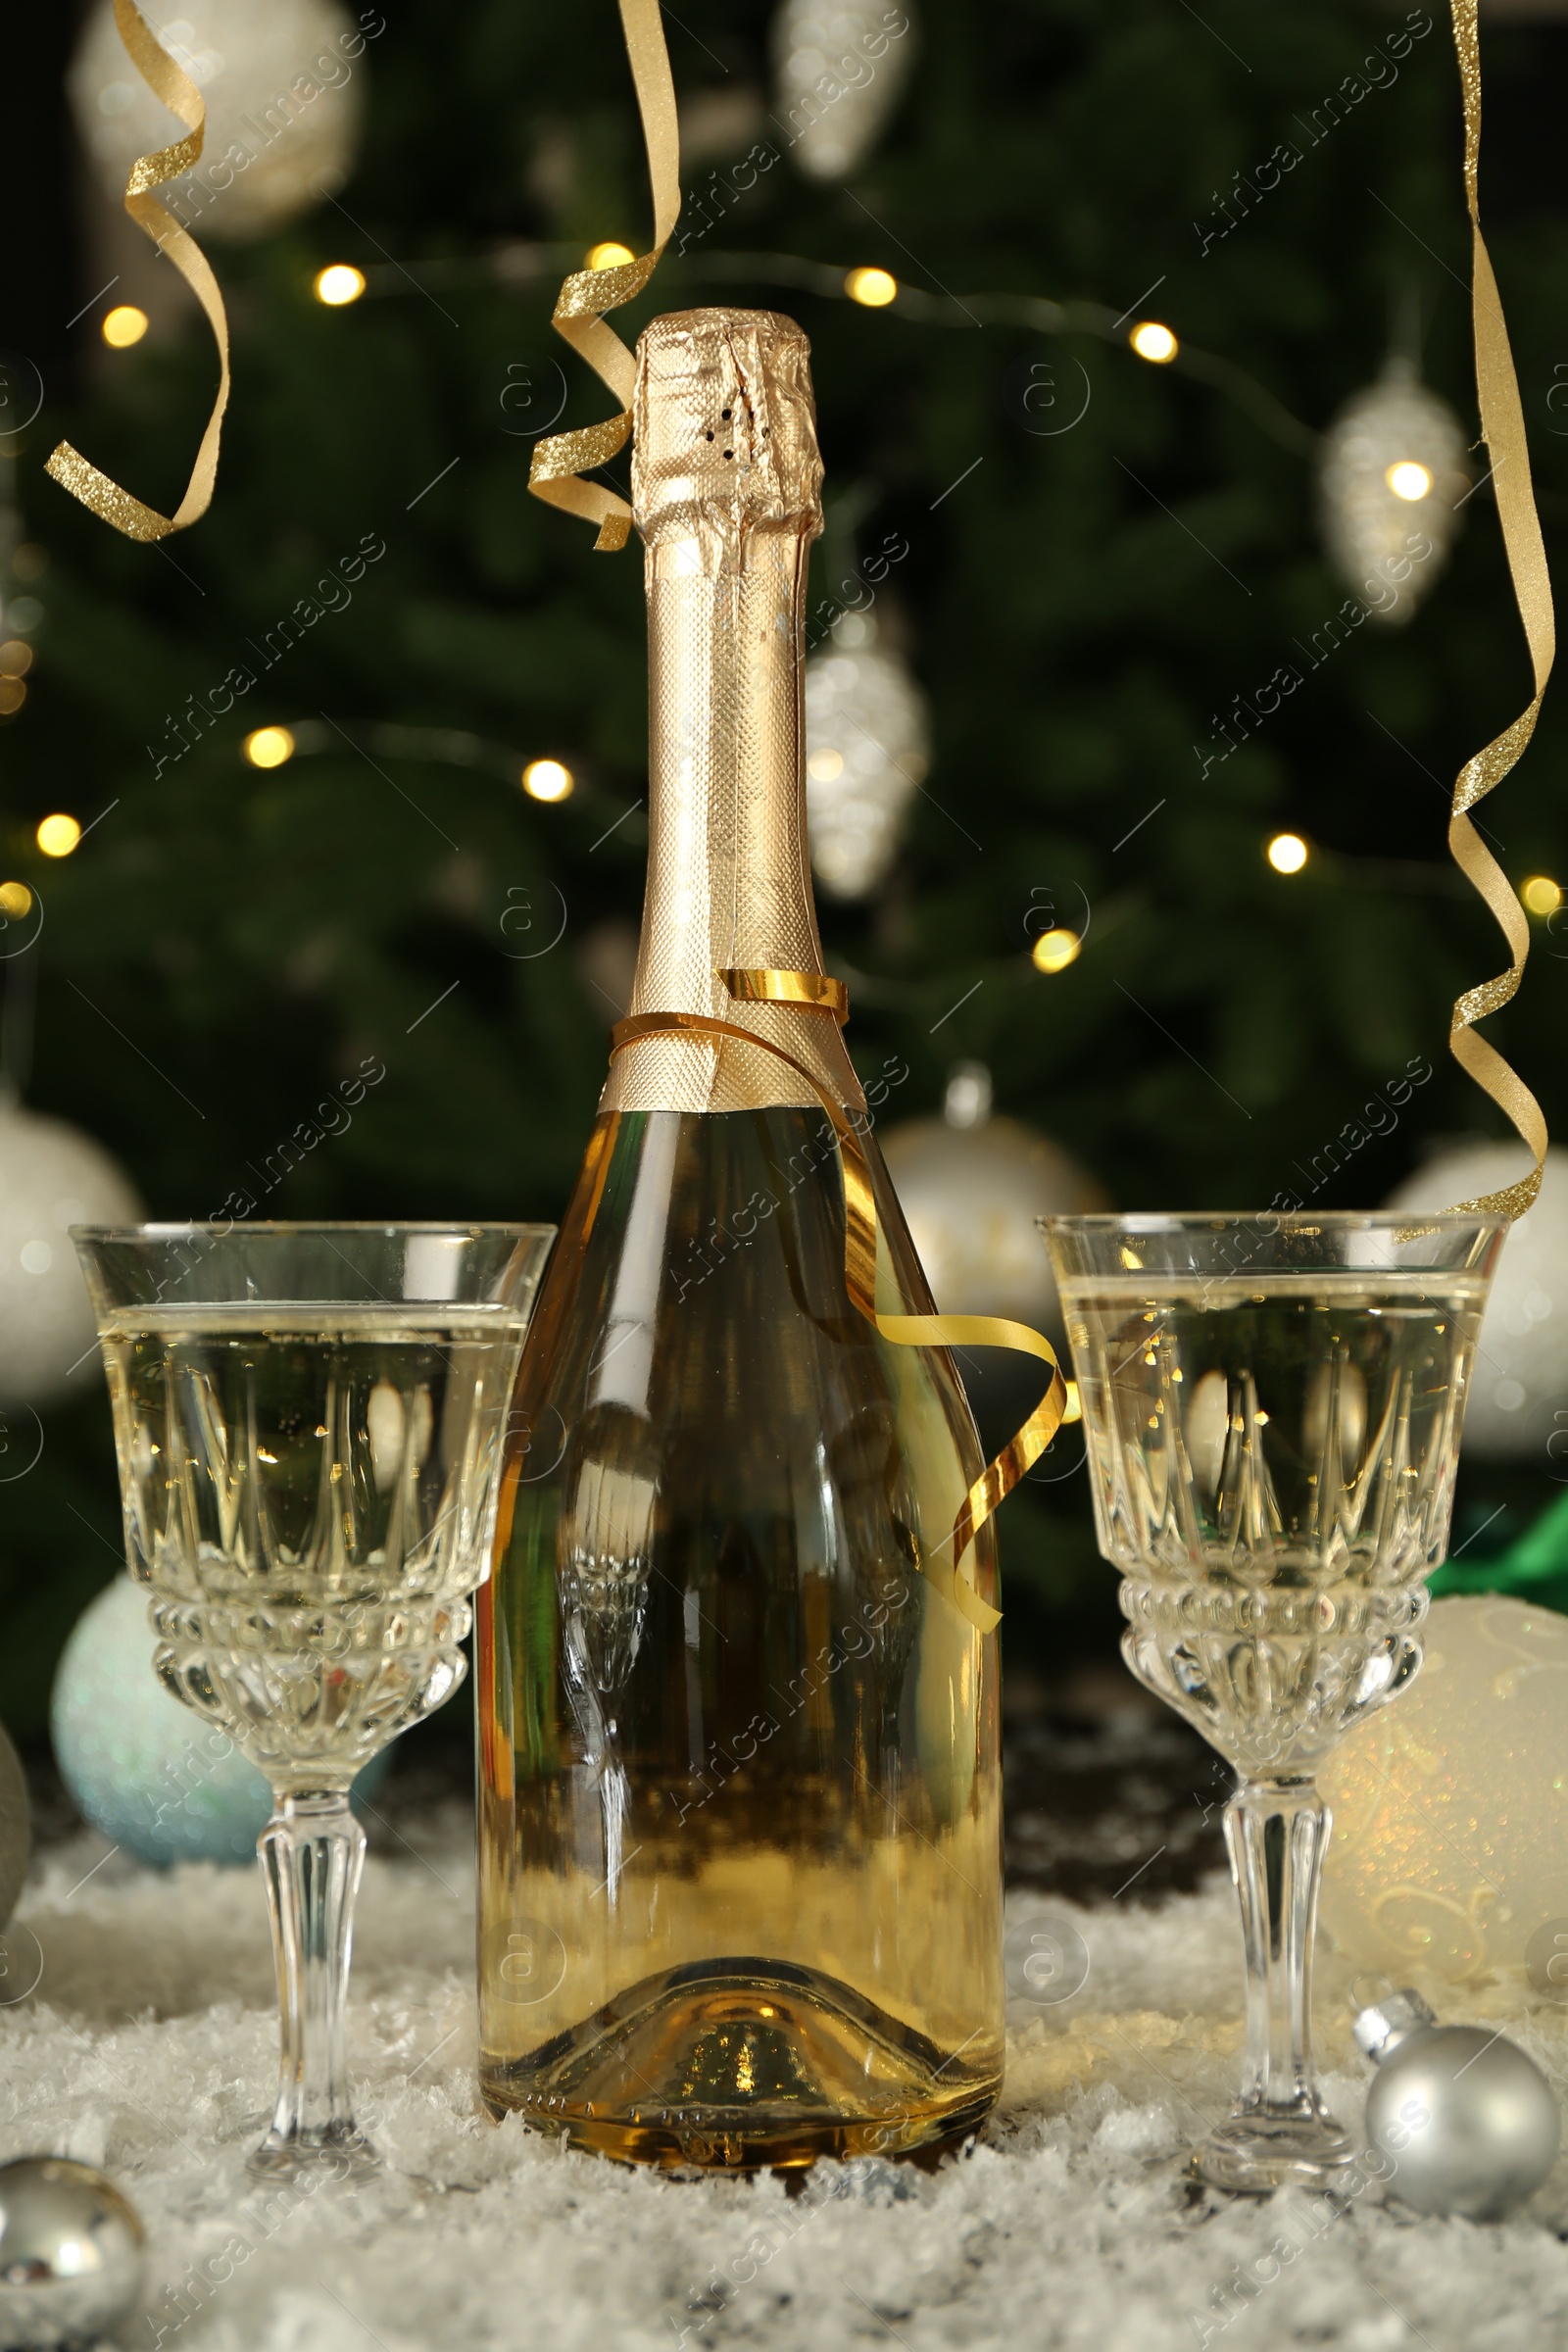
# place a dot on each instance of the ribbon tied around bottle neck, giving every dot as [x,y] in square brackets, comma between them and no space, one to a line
[999,1477]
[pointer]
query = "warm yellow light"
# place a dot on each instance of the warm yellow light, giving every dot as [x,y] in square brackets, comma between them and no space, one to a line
[1151,341]
[13,694]
[825,767]
[611,255]
[1073,1409]
[15,901]
[546,780]
[1054,951]
[269,747]
[1408,481]
[1542,895]
[1286,852]
[875,287]
[16,659]
[58,836]
[340,283]
[123,325]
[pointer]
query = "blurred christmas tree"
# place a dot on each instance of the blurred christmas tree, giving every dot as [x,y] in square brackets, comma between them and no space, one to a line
[1090,611]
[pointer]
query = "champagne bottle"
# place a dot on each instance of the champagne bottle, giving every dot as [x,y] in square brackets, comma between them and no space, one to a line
[739,1790]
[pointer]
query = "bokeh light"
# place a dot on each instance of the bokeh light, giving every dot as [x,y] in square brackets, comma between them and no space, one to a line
[58,836]
[269,747]
[340,283]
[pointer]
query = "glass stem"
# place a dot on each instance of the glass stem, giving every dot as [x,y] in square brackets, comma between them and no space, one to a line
[312,1853]
[1277,1833]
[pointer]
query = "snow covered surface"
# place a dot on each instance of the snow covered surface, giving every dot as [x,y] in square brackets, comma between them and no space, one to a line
[148,2047]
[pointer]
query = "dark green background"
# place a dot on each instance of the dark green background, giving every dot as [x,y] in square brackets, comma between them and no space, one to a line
[257,935]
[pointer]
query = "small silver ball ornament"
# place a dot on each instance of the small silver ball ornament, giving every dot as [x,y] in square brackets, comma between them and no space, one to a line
[71,2254]
[1470,2122]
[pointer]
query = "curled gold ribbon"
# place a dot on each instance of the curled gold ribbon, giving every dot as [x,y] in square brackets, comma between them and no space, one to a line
[69,467]
[559,462]
[999,1477]
[1503,428]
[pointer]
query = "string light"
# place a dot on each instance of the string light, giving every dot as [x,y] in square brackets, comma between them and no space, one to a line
[1054,951]
[548,780]
[1408,479]
[340,283]
[123,325]
[611,255]
[515,263]
[15,657]
[1542,895]
[13,694]
[15,901]
[1151,341]
[58,836]
[1286,852]
[875,288]
[269,747]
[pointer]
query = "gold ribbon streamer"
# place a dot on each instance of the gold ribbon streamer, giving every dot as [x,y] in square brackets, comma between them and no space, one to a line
[772,986]
[999,1477]
[561,461]
[70,467]
[1503,428]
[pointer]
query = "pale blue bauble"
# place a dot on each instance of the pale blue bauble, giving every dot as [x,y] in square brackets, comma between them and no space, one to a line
[163,1782]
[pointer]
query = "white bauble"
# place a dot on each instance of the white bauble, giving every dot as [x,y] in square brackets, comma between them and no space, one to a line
[1518,1405]
[971,1186]
[283,103]
[867,751]
[51,1177]
[840,72]
[1393,425]
[1449,1851]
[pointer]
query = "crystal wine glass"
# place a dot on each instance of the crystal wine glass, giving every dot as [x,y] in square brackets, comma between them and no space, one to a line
[1272,1408]
[309,1424]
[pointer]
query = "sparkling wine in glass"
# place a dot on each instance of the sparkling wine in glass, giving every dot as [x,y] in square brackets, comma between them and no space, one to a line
[1272,1407]
[309,1424]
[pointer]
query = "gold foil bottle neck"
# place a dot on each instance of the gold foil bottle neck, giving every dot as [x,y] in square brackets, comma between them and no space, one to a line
[724,436]
[727,493]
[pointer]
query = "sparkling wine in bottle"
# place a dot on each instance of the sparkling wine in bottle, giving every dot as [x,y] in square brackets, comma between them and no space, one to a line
[739,1790]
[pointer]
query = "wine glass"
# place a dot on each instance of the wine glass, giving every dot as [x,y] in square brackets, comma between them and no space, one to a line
[309,1422]
[1272,1407]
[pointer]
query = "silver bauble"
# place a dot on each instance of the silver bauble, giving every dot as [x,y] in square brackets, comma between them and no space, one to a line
[971,1186]
[282,92]
[51,1177]
[867,751]
[840,72]
[71,2253]
[1470,2122]
[1397,423]
[1518,1404]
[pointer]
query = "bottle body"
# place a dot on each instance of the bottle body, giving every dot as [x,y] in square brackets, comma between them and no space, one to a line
[739,1820]
[740,1787]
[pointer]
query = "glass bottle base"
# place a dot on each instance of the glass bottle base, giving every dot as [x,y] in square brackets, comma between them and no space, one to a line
[1254,2153]
[733,2064]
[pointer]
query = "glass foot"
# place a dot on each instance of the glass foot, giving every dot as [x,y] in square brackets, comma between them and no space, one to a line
[1253,2153]
[340,2153]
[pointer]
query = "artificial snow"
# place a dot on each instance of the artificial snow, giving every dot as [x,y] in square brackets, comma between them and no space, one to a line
[148,2047]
